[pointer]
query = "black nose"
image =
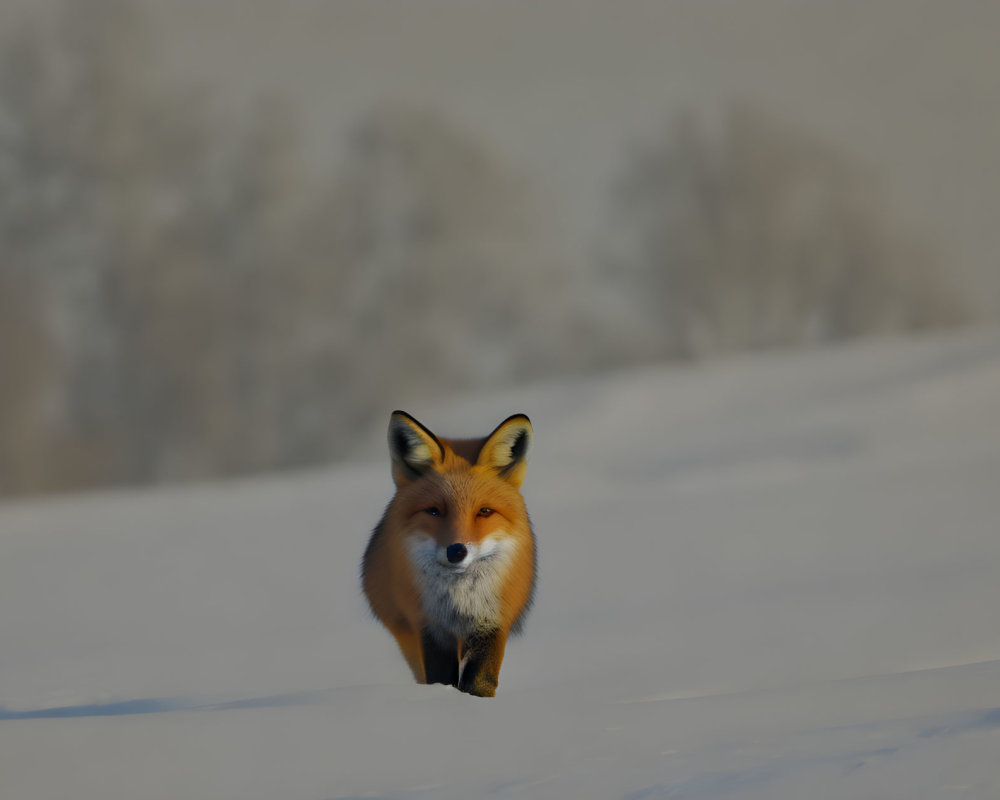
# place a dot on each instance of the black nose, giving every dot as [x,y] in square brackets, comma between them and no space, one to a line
[456,552]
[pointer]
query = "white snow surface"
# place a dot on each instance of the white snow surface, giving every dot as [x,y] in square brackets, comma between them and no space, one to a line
[773,577]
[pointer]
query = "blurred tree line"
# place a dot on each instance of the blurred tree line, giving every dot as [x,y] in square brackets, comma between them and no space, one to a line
[181,297]
[755,235]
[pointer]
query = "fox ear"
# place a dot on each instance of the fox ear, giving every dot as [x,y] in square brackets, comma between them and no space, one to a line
[413,448]
[506,449]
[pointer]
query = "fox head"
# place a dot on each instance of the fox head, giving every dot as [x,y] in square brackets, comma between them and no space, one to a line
[458,500]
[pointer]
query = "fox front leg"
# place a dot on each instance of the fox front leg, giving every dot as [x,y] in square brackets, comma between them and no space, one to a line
[440,658]
[482,654]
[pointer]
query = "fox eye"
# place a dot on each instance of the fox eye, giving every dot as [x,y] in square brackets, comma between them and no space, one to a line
[485,512]
[434,511]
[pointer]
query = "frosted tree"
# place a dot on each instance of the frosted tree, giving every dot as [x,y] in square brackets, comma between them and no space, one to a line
[760,236]
[443,270]
[154,247]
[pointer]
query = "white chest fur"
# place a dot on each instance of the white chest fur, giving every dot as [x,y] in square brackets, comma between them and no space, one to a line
[459,599]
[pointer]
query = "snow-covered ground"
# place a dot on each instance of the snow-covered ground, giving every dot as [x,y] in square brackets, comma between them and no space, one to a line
[772,577]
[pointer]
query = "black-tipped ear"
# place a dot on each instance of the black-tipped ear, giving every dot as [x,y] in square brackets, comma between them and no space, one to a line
[413,448]
[506,449]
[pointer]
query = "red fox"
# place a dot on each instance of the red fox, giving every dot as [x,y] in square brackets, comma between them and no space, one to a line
[450,569]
